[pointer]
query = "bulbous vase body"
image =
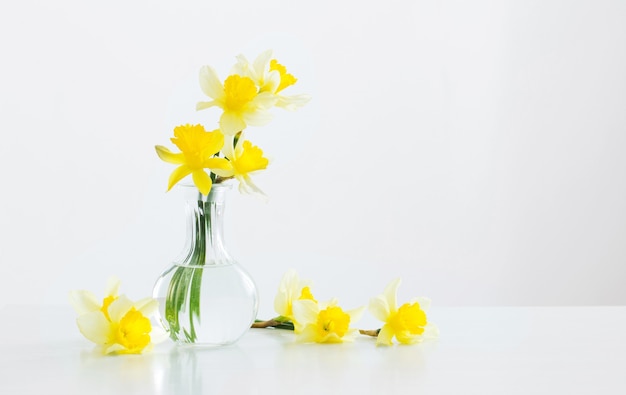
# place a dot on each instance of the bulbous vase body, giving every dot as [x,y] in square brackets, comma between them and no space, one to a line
[206,298]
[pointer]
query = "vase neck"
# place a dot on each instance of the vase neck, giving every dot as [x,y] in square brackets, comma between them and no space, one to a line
[205,228]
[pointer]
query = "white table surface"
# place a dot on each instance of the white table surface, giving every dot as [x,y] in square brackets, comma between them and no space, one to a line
[482,350]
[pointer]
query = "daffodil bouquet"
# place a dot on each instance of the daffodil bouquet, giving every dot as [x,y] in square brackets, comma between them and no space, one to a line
[245,97]
[214,156]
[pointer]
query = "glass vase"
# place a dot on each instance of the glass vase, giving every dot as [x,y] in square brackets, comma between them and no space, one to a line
[206,297]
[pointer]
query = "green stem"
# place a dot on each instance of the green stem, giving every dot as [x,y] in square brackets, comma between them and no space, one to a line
[186,282]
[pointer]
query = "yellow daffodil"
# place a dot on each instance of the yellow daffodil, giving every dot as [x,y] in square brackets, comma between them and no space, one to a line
[324,323]
[197,148]
[117,325]
[272,77]
[238,97]
[408,323]
[245,159]
[290,289]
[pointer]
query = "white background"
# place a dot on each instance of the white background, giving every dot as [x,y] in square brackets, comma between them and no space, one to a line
[474,149]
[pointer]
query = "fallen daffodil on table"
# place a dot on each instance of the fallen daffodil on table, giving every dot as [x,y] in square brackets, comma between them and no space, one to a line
[310,320]
[324,323]
[407,323]
[290,289]
[117,325]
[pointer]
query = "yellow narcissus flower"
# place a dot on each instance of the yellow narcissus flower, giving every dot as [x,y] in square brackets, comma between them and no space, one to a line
[290,289]
[271,76]
[238,97]
[245,159]
[197,148]
[118,326]
[408,323]
[324,323]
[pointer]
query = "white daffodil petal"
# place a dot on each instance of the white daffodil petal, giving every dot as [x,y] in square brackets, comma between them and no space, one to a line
[292,103]
[355,314]
[330,303]
[332,338]
[210,82]
[242,67]
[384,336]
[431,331]
[262,62]
[349,336]
[119,307]
[307,335]
[243,187]
[257,118]
[390,293]
[281,304]
[379,308]
[203,105]
[405,337]
[272,81]
[113,286]
[84,301]
[289,281]
[223,172]
[147,306]
[264,100]
[285,292]
[231,123]
[95,327]
[228,149]
[250,186]
[113,348]
[305,311]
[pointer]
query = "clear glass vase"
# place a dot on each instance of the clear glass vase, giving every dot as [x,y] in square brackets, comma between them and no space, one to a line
[206,297]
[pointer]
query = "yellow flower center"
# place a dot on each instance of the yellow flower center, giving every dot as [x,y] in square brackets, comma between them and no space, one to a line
[238,92]
[251,159]
[286,79]
[133,331]
[105,306]
[409,318]
[332,320]
[306,294]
